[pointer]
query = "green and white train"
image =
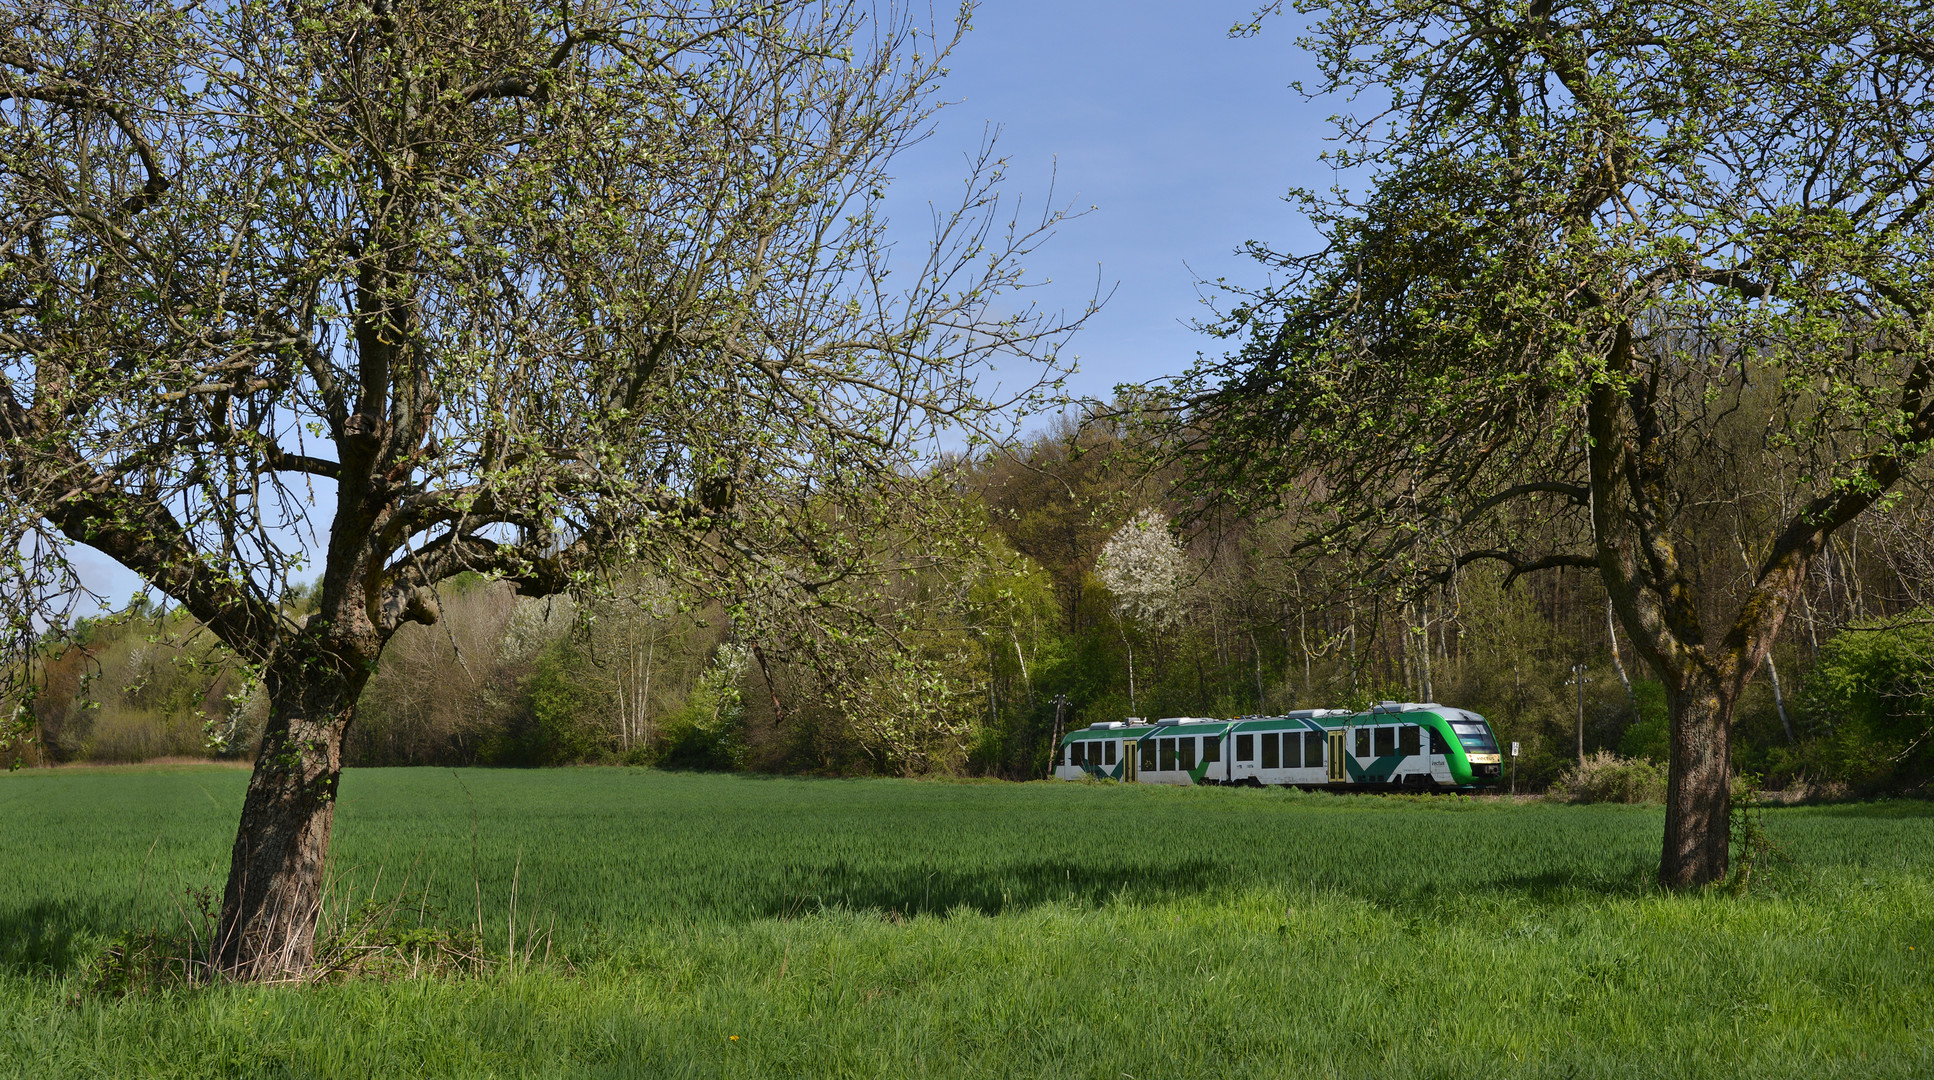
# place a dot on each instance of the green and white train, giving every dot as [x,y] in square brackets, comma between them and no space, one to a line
[1400,744]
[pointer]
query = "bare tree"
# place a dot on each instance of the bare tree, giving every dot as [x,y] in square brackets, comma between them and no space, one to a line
[1617,259]
[425,286]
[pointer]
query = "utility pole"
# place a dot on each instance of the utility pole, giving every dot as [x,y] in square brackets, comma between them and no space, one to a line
[1578,676]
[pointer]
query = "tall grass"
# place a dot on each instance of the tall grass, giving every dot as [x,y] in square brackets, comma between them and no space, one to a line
[883,928]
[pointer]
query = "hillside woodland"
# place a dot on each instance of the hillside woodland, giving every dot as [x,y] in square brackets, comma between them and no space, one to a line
[1085,601]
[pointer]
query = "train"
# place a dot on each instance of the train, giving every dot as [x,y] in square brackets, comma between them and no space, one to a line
[1402,745]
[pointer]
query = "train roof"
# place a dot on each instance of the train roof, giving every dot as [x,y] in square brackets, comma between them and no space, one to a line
[1297,720]
[1325,719]
[1111,730]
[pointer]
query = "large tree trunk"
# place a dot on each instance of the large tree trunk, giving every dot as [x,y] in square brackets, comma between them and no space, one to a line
[275,875]
[1698,800]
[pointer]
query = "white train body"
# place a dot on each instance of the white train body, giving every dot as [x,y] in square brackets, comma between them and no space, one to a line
[1394,743]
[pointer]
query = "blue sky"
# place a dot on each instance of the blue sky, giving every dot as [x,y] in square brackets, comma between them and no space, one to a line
[1182,138]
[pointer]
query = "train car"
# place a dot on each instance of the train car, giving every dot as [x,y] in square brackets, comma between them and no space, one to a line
[1100,751]
[1402,744]
[1184,750]
[1303,749]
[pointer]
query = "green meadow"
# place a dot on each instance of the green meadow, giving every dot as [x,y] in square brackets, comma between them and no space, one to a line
[732,926]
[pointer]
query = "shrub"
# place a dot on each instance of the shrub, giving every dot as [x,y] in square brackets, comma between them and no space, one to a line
[559,724]
[1607,777]
[1650,734]
[709,732]
[1871,699]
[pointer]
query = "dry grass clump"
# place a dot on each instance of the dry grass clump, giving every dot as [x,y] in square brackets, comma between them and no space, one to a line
[380,938]
[1607,777]
[1805,790]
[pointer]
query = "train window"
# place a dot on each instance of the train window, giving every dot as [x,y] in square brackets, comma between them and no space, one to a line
[1312,749]
[1188,752]
[1168,754]
[1410,744]
[1148,755]
[1110,751]
[1211,749]
[1363,742]
[1292,750]
[1245,748]
[1437,742]
[1074,753]
[1386,741]
[1475,736]
[1270,759]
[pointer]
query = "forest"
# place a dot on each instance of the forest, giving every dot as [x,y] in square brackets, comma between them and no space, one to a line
[1087,590]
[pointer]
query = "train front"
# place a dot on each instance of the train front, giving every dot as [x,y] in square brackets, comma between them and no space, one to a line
[1474,759]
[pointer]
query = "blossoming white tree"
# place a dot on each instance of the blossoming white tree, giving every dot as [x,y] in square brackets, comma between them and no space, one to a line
[1143,566]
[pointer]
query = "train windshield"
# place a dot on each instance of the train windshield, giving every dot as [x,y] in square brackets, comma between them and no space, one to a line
[1475,736]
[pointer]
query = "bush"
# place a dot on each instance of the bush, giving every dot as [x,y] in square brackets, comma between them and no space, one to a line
[1607,777]
[1871,701]
[709,732]
[1650,735]
[559,726]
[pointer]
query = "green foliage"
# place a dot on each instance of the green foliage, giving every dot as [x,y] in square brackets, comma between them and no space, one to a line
[709,731]
[854,928]
[1871,702]
[1753,848]
[559,726]
[1649,737]
[17,736]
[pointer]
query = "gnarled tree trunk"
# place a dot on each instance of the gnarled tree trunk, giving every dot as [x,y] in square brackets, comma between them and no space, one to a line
[277,869]
[1698,799]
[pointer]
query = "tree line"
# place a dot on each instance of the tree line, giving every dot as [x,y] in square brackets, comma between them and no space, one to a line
[1085,601]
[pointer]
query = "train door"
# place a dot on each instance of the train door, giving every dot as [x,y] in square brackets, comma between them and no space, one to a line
[1439,763]
[1128,755]
[1338,771]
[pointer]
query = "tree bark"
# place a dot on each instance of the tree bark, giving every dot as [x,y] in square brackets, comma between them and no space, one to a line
[1698,801]
[276,871]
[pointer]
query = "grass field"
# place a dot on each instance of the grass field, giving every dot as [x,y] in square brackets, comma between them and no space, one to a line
[742,927]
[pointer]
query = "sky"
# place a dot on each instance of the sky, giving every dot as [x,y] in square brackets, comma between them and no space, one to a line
[1182,139]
